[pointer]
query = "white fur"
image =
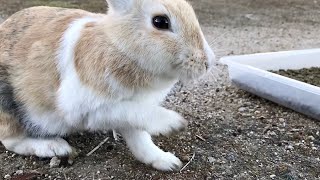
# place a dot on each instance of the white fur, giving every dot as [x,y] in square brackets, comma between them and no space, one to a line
[46,123]
[38,147]
[153,119]
[142,147]
[74,100]
[82,108]
[208,50]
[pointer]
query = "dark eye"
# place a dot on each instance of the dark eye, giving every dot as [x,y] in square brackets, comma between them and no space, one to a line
[161,22]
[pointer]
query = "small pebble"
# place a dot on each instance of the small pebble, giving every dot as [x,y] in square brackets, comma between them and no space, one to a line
[70,161]
[273,176]
[55,162]
[242,109]
[185,158]
[228,172]
[289,147]
[311,138]
[231,157]
[272,133]
[18,172]
[295,130]
[211,160]
[7,176]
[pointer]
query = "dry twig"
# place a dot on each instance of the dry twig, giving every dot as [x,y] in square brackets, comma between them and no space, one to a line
[191,159]
[96,148]
[115,135]
[201,138]
[65,176]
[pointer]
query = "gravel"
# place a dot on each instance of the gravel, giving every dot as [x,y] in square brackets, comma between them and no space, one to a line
[307,75]
[54,162]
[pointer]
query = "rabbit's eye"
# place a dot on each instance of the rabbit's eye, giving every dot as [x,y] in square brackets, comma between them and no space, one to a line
[161,22]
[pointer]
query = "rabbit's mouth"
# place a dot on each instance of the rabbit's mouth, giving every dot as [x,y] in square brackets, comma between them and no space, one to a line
[195,65]
[191,70]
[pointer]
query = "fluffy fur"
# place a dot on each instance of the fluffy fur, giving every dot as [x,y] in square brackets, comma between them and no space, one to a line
[66,70]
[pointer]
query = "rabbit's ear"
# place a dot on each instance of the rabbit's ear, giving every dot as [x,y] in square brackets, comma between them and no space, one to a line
[119,6]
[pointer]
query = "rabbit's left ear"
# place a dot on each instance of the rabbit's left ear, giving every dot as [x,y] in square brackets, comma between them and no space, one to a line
[120,6]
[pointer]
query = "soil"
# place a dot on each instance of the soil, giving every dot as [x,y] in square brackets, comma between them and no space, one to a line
[233,134]
[307,75]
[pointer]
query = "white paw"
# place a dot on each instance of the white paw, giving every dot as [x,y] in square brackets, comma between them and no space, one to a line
[167,162]
[50,148]
[167,122]
[39,147]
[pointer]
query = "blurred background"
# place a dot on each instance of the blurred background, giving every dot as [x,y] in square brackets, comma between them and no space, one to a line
[231,25]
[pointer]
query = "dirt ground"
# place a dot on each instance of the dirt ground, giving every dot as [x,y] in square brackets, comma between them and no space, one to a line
[233,134]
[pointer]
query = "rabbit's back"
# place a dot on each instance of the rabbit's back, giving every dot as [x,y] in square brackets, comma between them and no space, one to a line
[30,40]
[33,25]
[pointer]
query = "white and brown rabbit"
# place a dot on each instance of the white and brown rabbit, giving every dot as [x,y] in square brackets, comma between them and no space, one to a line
[66,70]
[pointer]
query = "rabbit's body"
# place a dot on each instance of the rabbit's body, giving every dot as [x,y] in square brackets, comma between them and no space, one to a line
[31,58]
[64,71]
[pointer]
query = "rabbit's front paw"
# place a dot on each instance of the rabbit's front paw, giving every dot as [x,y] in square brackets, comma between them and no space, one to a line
[167,122]
[167,162]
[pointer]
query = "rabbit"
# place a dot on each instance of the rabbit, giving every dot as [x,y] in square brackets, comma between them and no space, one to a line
[64,71]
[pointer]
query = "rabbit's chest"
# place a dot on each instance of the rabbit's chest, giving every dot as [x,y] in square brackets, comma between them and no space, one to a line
[83,110]
[155,94]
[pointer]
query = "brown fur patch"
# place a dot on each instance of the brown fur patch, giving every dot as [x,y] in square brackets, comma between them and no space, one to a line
[95,57]
[191,27]
[9,126]
[29,43]
[32,38]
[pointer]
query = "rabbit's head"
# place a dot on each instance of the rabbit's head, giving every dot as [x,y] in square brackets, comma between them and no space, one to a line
[163,37]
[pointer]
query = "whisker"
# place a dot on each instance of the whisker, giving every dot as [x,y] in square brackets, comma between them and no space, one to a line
[219,38]
[221,53]
[221,50]
[212,75]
